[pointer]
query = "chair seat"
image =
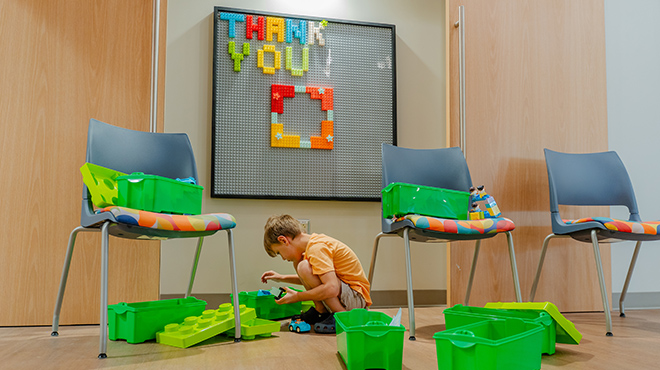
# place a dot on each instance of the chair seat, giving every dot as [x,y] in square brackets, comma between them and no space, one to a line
[647,227]
[463,227]
[165,221]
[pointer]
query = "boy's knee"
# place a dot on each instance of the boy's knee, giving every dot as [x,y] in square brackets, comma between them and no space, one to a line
[304,269]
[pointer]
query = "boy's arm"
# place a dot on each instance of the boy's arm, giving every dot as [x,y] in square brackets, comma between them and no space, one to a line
[288,279]
[330,287]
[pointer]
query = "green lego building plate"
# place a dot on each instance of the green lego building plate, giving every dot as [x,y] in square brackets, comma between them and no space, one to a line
[101,183]
[566,332]
[195,329]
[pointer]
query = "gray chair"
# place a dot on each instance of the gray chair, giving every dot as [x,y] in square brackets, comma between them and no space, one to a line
[440,168]
[594,179]
[128,151]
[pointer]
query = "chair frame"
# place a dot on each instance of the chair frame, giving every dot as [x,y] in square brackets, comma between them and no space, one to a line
[593,232]
[408,232]
[106,223]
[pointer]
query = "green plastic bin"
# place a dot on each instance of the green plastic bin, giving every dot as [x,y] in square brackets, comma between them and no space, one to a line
[159,194]
[101,183]
[460,315]
[366,341]
[139,322]
[266,307]
[498,344]
[400,199]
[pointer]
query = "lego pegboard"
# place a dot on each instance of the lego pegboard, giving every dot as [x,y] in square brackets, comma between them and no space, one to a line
[301,106]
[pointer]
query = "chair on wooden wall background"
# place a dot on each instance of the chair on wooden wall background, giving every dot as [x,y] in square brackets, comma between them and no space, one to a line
[162,154]
[440,168]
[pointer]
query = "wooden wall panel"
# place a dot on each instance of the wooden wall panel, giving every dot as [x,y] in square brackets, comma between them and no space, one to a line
[64,62]
[535,79]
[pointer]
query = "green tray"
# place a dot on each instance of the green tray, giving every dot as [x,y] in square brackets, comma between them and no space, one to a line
[256,328]
[400,199]
[366,341]
[139,322]
[159,194]
[101,183]
[565,329]
[498,344]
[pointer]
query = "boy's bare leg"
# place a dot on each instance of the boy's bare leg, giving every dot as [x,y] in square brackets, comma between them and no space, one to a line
[311,281]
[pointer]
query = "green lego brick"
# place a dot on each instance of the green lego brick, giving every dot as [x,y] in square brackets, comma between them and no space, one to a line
[195,329]
[305,59]
[288,57]
[257,327]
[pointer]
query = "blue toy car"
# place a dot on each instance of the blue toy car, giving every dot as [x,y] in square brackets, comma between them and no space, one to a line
[299,326]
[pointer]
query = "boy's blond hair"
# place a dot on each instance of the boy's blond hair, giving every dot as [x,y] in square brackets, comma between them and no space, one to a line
[280,225]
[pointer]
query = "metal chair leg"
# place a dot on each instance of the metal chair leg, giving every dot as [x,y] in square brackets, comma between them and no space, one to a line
[103,335]
[372,266]
[234,287]
[622,312]
[514,267]
[532,294]
[194,267]
[65,276]
[601,280]
[472,269]
[411,304]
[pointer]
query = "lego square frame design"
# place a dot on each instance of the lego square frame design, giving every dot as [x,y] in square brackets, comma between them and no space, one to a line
[301,106]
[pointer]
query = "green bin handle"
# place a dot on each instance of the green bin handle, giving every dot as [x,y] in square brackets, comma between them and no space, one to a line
[460,343]
[120,308]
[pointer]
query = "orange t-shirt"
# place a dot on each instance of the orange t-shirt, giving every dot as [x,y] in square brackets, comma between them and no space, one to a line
[327,254]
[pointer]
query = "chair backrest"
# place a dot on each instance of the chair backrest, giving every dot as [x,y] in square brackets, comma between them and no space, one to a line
[589,179]
[167,155]
[128,151]
[441,168]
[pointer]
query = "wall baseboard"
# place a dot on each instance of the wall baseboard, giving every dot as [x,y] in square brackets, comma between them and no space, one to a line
[640,300]
[381,298]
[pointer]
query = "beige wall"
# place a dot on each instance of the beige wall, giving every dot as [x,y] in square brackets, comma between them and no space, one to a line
[420,46]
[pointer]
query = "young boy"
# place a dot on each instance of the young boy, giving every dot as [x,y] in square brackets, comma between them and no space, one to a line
[328,269]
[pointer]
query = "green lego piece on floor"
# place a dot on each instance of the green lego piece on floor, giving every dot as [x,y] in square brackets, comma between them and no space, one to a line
[195,329]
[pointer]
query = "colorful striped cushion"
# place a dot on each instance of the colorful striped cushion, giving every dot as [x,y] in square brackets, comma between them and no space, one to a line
[648,227]
[465,227]
[164,221]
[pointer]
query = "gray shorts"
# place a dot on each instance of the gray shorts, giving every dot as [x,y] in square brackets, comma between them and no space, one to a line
[349,298]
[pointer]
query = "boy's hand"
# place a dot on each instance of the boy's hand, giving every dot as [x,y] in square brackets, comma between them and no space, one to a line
[271,275]
[291,296]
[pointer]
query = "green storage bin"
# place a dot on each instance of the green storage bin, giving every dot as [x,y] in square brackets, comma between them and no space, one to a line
[498,344]
[266,307]
[400,199]
[366,341]
[139,322]
[159,194]
[460,315]
[101,183]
